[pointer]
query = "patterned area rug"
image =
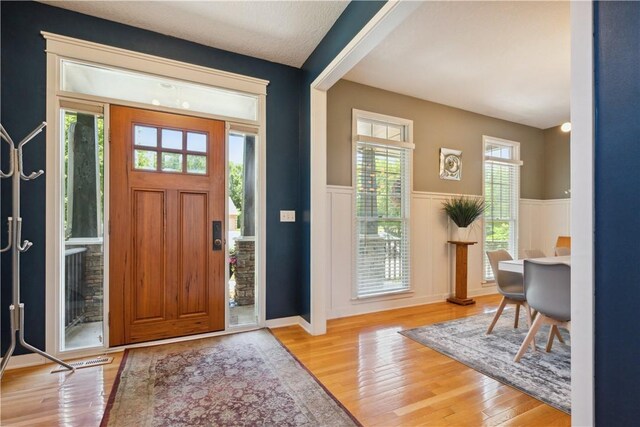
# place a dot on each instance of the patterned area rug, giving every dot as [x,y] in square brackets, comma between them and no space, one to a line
[544,376]
[245,379]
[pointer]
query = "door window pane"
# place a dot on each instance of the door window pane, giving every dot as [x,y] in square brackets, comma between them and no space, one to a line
[171,162]
[196,164]
[146,136]
[172,139]
[196,142]
[145,160]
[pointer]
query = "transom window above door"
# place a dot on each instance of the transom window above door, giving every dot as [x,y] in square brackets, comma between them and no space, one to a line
[169,150]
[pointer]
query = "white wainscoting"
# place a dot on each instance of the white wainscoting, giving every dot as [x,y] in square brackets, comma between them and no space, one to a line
[541,221]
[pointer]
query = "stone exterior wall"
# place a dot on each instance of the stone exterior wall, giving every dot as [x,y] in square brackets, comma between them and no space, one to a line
[93,282]
[245,271]
[93,277]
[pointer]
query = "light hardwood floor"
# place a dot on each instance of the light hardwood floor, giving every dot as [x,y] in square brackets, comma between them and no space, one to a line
[36,397]
[383,378]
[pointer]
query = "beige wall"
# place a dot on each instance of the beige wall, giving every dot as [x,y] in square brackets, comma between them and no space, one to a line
[435,126]
[556,160]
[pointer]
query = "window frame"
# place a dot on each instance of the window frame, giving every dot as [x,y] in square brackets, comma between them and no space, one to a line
[159,150]
[515,161]
[407,144]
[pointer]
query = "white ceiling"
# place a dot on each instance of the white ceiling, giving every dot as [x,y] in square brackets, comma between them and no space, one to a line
[280,31]
[509,60]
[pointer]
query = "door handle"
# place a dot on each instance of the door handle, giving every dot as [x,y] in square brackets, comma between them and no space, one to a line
[217,235]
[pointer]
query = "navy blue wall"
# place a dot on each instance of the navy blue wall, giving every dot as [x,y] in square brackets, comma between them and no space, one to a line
[617,200]
[355,16]
[23,107]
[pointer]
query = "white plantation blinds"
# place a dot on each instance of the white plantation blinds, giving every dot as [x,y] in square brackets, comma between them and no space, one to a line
[502,195]
[382,179]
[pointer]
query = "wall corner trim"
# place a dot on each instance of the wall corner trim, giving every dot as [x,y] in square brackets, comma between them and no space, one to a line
[289,321]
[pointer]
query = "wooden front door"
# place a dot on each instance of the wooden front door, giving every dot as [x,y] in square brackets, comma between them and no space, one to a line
[167,179]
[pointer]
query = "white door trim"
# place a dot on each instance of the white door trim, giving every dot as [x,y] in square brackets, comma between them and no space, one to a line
[582,224]
[65,47]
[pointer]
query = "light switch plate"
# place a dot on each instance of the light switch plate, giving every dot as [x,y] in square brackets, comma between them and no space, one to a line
[287,216]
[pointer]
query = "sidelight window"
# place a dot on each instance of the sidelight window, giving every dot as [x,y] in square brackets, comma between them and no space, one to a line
[83,267]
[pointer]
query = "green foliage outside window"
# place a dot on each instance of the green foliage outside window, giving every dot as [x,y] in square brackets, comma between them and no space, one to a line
[70,118]
[236,176]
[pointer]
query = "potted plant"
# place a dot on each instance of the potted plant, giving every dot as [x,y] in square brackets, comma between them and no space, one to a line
[463,211]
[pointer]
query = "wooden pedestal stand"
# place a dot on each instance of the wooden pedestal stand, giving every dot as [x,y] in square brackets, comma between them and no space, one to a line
[461,273]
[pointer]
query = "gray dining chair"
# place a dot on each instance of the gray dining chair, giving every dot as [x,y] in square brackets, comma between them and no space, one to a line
[534,253]
[547,288]
[511,287]
[562,251]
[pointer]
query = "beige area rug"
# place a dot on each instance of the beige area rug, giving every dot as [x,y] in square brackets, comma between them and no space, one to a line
[544,376]
[246,379]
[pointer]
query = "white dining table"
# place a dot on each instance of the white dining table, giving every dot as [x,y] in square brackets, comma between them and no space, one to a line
[517,265]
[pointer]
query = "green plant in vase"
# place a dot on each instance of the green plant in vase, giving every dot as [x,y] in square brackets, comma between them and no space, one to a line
[463,211]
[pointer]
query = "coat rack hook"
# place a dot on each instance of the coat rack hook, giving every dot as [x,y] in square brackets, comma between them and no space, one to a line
[32,135]
[5,137]
[25,245]
[9,235]
[28,138]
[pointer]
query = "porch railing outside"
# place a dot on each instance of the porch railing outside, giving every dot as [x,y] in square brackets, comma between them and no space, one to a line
[393,261]
[74,299]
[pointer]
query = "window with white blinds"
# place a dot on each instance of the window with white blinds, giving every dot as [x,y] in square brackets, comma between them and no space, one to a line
[502,196]
[383,151]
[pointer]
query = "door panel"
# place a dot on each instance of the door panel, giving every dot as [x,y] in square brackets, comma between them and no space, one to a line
[149,249]
[166,280]
[193,254]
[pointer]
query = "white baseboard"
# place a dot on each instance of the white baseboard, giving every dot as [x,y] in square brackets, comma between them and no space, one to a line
[355,310]
[289,321]
[486,290]
[26,360]
[282,322]
[386,305]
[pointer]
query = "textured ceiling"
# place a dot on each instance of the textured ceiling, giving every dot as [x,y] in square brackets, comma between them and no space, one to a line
[280,31]
[509,60]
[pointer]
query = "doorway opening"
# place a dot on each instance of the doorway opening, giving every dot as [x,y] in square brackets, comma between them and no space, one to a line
[81,81]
